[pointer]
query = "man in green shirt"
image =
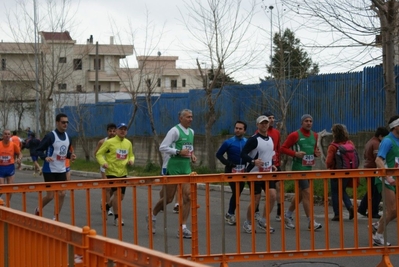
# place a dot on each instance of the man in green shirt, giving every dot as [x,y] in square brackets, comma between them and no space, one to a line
[179,144]
[302,146]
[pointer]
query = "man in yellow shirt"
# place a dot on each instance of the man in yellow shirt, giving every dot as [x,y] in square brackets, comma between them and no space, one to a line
[113,156]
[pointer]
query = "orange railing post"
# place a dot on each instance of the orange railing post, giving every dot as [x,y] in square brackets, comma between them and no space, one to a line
[336,241]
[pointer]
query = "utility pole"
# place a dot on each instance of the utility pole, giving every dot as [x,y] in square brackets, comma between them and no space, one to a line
[36,72]
[97,65]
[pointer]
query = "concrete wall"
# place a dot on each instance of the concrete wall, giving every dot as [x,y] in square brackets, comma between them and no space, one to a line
[145,150]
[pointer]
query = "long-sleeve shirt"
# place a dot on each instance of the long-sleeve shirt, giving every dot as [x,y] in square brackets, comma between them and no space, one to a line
[370,152]
[49,148]
[331,151]
[116,152]
[44,148]
[168,144]
[32,144]
[232,147]
[292,139]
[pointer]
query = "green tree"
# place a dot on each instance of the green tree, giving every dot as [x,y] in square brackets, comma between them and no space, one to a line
[290,60]
[221,79]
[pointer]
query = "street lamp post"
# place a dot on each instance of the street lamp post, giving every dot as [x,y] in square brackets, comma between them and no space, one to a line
[271,40]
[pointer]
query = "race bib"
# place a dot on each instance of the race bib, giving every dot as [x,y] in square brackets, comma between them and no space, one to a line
[190,148]
[266,167]
[5,159]
[238,168]
[60,157]
[308,160]
[121,154]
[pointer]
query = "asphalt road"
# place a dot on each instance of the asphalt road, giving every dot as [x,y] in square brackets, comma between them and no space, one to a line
[216,223]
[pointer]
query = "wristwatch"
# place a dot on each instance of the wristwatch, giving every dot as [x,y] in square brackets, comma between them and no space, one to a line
[177,152]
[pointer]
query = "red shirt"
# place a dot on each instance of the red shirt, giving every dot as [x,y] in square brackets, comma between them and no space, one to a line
[331,151]
[291,140]
[275,135]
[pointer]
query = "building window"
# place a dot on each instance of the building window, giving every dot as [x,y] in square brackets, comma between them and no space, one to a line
[77,64]
[159,82]
[183,82]
[62,86]
[3,64]
[79,88]
[148,82]
[99,88]
[173,84]
[97,66]
[62,60]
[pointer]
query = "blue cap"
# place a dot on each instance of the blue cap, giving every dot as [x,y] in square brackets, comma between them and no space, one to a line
[120,125]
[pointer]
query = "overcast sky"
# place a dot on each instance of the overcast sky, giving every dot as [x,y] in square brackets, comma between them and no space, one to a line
[105,18]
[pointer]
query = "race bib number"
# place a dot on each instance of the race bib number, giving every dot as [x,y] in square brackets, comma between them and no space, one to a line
[60,157]
[121,154]
[190,148]
[5,159]
[308,160]
[238,169]
[266,167]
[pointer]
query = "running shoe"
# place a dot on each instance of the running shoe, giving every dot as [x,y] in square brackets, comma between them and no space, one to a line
[186,233]
[378,240]
[154,221]
[263,226]
[247,227]
[176,209]
[230,219]
[116,222]
[374,227]
[257,216]
[289,222]
[316,225]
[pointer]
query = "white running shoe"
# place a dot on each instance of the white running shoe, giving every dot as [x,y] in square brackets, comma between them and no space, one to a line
[230,219]
[186,233]
[263,226]
[247,227]
[116,222]
[289,222]
[316,225]
[378,240]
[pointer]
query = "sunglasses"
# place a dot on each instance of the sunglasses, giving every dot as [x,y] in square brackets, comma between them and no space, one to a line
[64,122]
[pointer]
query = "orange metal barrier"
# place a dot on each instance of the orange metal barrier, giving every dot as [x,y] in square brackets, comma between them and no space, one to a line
[225,245]
[28,240]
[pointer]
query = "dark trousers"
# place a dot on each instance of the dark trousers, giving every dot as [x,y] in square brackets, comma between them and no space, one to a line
[375,200]
[232,204]
[335,194]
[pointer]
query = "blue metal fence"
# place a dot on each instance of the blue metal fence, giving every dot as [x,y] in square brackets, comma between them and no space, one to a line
[355,99]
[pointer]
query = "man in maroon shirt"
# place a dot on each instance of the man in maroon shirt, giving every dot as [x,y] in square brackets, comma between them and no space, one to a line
[302,146]
[370,153]
[275,135]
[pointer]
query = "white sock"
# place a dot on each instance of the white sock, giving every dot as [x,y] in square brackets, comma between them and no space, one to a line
[184,226]
[288,214]
[176,204]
